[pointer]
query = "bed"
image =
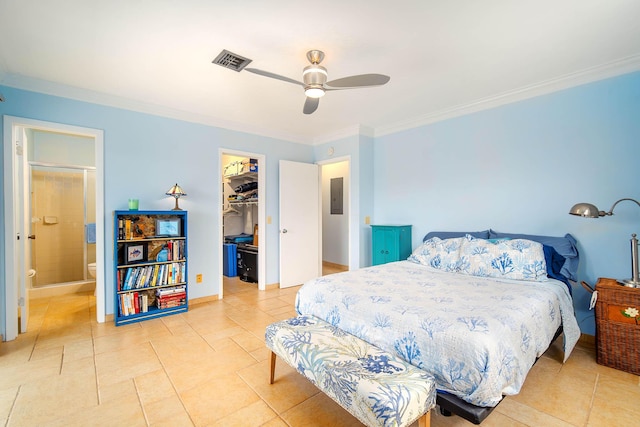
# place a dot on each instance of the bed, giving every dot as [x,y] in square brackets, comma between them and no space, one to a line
[474,309]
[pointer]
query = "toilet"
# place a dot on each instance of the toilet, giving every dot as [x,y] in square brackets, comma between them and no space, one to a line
[92,269]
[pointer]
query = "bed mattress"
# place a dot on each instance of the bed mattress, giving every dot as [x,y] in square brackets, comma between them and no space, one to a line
[478,336]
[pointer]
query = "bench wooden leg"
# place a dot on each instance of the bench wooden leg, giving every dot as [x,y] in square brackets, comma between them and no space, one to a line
[425,420]
[273,368]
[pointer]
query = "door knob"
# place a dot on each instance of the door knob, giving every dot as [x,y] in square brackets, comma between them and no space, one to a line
[32,236]
[284,230]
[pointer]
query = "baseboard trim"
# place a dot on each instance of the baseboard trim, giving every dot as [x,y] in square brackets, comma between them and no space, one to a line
[335,266]
[587,340]
[57,290]
[203,300]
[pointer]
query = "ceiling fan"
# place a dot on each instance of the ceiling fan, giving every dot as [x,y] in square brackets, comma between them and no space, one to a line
[315,82]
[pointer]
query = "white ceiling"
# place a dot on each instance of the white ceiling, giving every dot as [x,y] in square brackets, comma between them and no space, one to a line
[444,57]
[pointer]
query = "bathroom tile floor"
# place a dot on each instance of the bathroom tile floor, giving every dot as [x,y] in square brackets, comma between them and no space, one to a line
[209,367]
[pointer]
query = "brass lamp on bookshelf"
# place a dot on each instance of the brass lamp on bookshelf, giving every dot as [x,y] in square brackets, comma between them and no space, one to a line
[176,191]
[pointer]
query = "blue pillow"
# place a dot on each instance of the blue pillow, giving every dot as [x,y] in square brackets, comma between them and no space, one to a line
[555,261]
[453,234]
[565,246]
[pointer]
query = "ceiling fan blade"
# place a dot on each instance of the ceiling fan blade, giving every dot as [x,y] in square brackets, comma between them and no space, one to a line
[362,80]
[310,105]
[273,76]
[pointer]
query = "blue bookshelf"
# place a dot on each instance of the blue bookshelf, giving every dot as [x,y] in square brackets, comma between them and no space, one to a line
[150,265]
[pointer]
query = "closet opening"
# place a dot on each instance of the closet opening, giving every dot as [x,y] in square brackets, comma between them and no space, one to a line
[241,215]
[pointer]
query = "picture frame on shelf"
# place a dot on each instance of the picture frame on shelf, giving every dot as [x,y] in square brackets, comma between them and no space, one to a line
[135,253]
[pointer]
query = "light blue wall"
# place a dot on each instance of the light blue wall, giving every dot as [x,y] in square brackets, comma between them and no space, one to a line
[516,168]
[520,168]
[144,155]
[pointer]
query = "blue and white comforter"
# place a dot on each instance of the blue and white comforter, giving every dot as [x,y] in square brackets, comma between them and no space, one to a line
[477,336]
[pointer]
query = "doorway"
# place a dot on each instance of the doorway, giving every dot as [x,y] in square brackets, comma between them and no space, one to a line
[242,222]
[315,237]
[335,216]
[19,134]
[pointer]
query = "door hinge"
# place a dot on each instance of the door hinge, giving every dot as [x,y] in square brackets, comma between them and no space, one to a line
[21,301]
[18,148]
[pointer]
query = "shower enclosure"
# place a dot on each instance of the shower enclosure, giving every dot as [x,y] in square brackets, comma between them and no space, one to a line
[62,223]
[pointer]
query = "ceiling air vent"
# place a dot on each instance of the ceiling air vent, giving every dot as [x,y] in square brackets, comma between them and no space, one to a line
[230,60]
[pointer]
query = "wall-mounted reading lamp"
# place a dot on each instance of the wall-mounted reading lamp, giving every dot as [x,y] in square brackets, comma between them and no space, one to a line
[588,210]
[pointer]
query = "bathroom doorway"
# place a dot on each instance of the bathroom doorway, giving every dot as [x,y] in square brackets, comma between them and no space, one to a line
[19,149]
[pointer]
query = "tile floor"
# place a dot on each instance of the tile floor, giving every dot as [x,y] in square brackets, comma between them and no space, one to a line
[209,367]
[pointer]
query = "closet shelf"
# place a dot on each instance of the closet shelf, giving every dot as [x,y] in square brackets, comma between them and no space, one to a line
[242,177]
[243,202]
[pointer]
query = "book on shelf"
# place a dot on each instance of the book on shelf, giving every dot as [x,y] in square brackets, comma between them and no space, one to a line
[172,290]
[176,295]
[170,305]
[154,277]
[127,229]
[136,303]
[133,303]
[171,300]
[174,298]
[145,303]
[149,276]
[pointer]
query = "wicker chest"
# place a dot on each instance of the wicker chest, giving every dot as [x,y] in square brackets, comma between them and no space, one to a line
[617,336]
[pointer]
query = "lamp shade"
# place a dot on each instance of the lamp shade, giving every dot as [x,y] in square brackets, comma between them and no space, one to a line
[176,191]
[586,210]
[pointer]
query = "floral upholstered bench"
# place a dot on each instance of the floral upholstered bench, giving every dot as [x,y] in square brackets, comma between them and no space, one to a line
[376,387]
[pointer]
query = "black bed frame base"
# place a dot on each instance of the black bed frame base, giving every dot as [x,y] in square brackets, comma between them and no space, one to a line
[450,404]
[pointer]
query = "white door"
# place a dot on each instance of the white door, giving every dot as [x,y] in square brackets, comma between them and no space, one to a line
[24,225]
[16,304]
[299,223]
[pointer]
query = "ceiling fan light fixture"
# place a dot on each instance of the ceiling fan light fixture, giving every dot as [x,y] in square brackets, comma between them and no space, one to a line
[314,91]
[314,80]
[314,69]
[314,75]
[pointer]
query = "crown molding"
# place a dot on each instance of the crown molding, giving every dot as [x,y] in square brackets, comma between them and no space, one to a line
[589,75]
[85,95]
[612,69]
[347,132]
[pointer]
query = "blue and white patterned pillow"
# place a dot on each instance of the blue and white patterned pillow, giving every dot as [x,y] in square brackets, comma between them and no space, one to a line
[518,259]
[443,254]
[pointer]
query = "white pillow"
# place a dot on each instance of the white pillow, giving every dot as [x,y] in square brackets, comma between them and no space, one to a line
[439,253]
[518,259]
